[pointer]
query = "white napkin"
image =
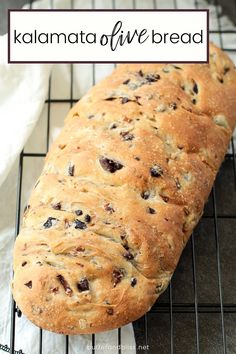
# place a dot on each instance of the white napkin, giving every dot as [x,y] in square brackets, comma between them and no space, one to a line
[23,89]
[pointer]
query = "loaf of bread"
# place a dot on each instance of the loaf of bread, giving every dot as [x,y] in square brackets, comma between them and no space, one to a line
[122,188]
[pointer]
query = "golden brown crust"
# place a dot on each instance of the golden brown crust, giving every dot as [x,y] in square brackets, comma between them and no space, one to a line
[122,188]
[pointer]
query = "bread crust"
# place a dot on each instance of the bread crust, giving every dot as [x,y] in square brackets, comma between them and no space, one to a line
[121,190]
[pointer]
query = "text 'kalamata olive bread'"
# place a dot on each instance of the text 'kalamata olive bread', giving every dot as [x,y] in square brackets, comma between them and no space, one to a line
[122,188]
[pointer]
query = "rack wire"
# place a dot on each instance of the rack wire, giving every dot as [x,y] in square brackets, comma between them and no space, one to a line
[167,305]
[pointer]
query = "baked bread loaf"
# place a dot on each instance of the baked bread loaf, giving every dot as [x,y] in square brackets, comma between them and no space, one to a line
[122,188]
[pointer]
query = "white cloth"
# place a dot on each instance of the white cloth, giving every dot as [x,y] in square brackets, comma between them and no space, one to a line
[23,89]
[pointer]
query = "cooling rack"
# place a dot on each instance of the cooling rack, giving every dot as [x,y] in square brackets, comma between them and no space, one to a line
[197,313]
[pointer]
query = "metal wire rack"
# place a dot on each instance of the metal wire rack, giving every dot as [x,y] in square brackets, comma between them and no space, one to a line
[181,320]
